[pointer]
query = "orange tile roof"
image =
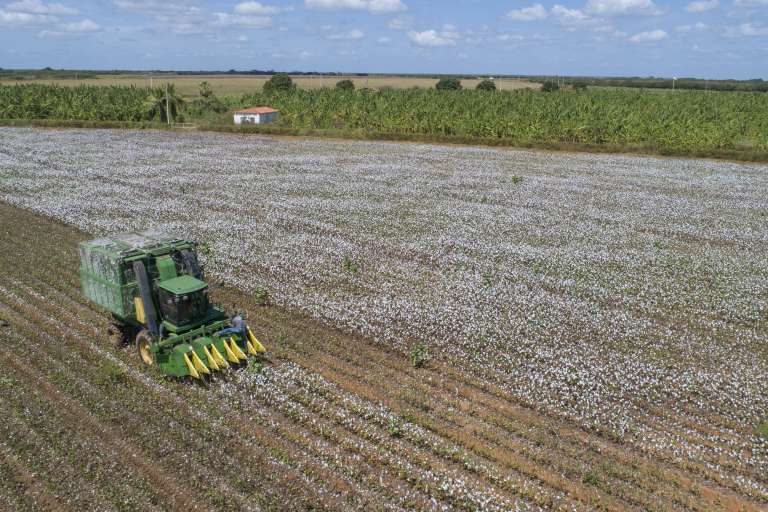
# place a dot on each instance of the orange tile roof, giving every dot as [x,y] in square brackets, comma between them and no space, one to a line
[257,110]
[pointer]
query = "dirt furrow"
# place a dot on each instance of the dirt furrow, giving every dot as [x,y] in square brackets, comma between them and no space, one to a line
[34,489]
[471,404]
[94,331]
[481,399]
[247,432]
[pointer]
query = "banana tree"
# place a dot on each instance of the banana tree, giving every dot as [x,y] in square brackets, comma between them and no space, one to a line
[159,100]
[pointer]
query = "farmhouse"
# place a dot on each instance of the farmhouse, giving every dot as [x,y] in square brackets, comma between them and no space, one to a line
[256,115]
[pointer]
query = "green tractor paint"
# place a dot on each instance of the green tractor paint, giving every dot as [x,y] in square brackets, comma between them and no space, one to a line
[154,287]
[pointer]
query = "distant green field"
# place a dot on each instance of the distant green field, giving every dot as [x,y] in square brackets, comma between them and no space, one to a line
[680,122]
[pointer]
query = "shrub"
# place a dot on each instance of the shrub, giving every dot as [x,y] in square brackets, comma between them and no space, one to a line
[205,90]
[419,355]
[448,84]
[110,373]
[486,85]
[280,82]
[349,265]
[345,85]
[762,430]
[591,477]
[260,295]
[550,86]
[395,428]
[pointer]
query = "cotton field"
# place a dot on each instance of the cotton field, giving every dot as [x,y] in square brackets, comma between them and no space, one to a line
[624,295]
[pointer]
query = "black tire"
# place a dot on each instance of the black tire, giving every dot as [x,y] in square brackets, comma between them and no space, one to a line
[143,341]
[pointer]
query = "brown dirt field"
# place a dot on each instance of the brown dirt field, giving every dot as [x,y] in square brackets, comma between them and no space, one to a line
[188,85]
[85,425]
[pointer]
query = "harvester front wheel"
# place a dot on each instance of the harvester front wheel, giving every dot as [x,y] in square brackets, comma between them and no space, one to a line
[143,342]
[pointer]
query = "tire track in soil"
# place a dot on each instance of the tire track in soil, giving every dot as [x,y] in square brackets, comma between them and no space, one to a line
[86,351]
[247,429]
[75,414]
[283,420]
[279,423]
[33,488]
[61,456]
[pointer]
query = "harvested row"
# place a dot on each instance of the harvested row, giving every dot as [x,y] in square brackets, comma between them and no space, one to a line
[329,359]
[273,424]
[72,318]
[187,427]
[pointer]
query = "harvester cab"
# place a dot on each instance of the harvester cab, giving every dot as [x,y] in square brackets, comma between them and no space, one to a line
[155,289]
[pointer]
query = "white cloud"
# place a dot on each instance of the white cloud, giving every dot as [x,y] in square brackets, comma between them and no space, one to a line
[257,8]
[225,19]
[747,30]
[373,6]
[702,5]
[82,26]
[449,32]
[386,6]
[384,40]
[568,16]
[399,23]
[688,28]
[71,30]
[532,13]
[750,3]
[510,37]
[38,7]
[24,18]
[242,39]
[153,7]
[352,35]
[622,7]
[648,37]
[431,38]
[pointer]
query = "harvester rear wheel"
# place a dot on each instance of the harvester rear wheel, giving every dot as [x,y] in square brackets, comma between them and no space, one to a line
[143,342]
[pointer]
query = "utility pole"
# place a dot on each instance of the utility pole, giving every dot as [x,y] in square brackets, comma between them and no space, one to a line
[167,105]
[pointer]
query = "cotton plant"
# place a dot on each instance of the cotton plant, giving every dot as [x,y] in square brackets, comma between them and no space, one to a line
[628,294]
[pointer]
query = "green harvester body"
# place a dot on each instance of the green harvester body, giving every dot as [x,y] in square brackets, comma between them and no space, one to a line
[154,287]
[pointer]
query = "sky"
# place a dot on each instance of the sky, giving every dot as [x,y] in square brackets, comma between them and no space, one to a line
[669,38]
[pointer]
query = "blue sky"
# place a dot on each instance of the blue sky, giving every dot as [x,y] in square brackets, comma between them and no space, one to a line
[703,38]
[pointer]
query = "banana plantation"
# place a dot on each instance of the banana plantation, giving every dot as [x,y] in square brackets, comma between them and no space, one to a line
[686,121]
[87,103]
[676,122]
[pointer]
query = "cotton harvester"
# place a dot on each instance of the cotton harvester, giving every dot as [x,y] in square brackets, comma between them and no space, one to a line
[154,287]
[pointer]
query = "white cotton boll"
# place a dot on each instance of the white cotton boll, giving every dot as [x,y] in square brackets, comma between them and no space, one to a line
[628,294]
